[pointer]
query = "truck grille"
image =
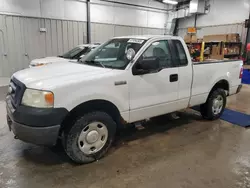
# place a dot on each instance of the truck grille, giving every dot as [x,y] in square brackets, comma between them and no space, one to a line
[16,90]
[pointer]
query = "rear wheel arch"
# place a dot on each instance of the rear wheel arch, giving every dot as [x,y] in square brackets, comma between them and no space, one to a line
[222,84]
[213,104]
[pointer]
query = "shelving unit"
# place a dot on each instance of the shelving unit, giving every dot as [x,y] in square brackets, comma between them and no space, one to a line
[223,46]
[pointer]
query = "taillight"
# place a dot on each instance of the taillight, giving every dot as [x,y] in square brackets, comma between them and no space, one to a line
[241,72]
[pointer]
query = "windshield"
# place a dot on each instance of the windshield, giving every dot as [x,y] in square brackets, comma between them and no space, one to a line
[113,53]
[76,53]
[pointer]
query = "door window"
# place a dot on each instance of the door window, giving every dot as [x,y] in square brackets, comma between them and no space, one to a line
[181,56]
[160,50]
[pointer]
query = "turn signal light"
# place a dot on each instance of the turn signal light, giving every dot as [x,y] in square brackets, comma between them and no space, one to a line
[49,98]
[241,72]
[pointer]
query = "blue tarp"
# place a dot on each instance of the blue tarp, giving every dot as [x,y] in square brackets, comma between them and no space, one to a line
[236,118]
[233,117]
[246,76]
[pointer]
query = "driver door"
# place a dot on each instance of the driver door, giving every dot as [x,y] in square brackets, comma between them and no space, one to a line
[154,93]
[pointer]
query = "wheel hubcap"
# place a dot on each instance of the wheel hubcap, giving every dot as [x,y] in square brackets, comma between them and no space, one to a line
[93,138]
[217,105]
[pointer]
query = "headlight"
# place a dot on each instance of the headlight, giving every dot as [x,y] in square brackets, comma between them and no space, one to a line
[39,64]
[37,98]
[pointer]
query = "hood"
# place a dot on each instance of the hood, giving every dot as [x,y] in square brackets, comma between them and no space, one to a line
[47,60]
[58,73]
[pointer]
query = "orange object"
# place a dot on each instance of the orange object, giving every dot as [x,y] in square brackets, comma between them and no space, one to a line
[191,30]
[49,97]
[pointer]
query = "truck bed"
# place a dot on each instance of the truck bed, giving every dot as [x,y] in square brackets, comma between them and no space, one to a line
[207,74]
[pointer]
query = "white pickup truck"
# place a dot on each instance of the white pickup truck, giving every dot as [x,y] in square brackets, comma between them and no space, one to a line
[125,80]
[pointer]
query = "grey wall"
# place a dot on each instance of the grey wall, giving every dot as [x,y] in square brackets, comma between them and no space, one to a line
[21,41]
[101,12]
[225,16]
[102,32]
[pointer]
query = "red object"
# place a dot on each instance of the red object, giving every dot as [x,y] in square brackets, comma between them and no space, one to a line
[241,72]
[248,47]
[243,59]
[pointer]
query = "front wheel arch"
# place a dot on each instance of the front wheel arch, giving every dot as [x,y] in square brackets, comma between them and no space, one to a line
[91,106]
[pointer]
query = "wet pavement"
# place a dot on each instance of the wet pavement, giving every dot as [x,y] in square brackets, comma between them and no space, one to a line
[187,152]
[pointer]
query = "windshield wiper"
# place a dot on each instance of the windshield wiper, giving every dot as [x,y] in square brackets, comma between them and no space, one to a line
[95,62]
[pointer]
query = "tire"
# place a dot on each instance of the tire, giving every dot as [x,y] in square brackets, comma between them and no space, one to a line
[75,146]
[206,109]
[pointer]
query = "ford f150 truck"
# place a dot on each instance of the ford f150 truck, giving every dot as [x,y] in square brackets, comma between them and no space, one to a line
[125,80]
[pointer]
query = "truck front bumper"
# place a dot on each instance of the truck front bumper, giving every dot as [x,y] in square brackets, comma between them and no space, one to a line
[46,136]
[39,126]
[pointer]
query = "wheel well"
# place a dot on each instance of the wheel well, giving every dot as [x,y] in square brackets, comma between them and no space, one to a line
[90,106]
[222,84]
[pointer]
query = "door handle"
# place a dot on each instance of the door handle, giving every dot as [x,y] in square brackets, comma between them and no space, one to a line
[117,83]
[173,78]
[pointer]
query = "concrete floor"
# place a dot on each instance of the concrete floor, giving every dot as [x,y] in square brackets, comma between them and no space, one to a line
[4,81]
[188,152]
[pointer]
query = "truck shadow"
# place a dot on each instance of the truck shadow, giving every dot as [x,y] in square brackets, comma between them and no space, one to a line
[156,125]
[161,124]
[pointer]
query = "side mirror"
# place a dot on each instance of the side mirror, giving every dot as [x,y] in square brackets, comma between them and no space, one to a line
[147,65]
[79,58]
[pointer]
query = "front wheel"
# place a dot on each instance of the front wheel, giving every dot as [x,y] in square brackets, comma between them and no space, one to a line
[90,137]
[215,105]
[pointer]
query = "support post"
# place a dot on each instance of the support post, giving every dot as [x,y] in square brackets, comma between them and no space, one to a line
[88,23]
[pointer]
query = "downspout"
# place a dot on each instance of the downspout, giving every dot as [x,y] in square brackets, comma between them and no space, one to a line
[195,20]
[175,32]
[88,23]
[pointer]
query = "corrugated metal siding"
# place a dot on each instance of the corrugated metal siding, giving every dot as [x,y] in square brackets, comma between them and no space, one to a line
[102,32]
[22,41]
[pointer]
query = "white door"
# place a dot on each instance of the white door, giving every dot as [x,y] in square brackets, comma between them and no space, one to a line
[185,72]
[154,93]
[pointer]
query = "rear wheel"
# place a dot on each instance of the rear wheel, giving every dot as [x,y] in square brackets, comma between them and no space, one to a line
[90,137]
[215,105]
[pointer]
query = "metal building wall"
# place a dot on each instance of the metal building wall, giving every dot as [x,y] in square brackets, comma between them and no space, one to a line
[223,16]
[21,39]
[101,32]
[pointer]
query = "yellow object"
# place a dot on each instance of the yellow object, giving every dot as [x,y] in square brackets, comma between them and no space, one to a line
[202,52]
